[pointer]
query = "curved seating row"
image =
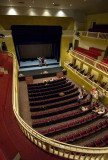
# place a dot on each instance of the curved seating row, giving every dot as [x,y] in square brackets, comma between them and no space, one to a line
[50,88]
[58,118]
[39,94]
[73,93]
[69,126]
[92,52]
[56,111]
[56,104]
[47,85]
[84,133]
[39,85]
[51,96]
[96,51]
[99,143]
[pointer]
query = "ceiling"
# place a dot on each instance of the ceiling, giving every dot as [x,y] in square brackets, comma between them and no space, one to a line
[88,6]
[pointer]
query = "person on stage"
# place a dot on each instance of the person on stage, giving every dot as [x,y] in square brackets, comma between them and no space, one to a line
[45,62]
[40,61]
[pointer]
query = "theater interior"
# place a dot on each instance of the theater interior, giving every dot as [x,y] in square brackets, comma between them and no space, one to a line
[54,80]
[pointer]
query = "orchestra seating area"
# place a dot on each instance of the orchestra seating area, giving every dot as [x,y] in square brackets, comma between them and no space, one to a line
[92,52]
[56,113]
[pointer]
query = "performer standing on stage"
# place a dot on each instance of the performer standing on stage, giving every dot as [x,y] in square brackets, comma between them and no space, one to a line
[45,61]
[40,61]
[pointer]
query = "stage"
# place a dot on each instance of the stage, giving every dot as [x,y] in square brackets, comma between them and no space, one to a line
[32,68]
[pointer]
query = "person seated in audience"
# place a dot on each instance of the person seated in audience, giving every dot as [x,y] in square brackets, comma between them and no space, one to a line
[90,76]
[106,113]
[82,71]
[99,110]
[82,90]
[68,81]
[51,79]
[84,108]
[103,84]
[101,94]
[21,75]
[71,64]
[80,97]
[95,110]
[95,81]
[46,82]
[95,96]
[75,67]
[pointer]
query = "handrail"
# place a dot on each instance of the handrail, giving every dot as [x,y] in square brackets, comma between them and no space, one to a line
[48,144]
[98,35]
[93,62]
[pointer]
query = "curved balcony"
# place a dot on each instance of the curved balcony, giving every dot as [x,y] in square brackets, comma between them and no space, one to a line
[48,144]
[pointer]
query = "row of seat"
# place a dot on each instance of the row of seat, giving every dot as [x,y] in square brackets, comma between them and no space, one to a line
[47,89]
[84,133]
[105,60]
[58,90]
[87,52]
[58,118]
[56,111]
[96,51]
[47,85]
[99,143]
[69,126]
[38,85]
[75,92]
[53,95]
[56,104]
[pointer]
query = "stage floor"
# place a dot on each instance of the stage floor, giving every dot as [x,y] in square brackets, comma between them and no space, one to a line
[32,68]
[34,65]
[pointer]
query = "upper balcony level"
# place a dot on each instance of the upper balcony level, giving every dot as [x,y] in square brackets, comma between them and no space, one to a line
[97,35]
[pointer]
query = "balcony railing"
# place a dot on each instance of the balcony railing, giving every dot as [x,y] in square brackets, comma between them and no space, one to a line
[94,34]
[48,144]
[86,59]
[90,82]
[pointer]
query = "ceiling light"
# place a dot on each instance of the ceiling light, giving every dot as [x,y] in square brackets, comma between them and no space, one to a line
[61,14]
[12,11]
[46,13]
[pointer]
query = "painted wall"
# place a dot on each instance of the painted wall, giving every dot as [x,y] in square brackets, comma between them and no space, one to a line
[98,18]
[9,44]
[65,22]
[64,56]
[86,42]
